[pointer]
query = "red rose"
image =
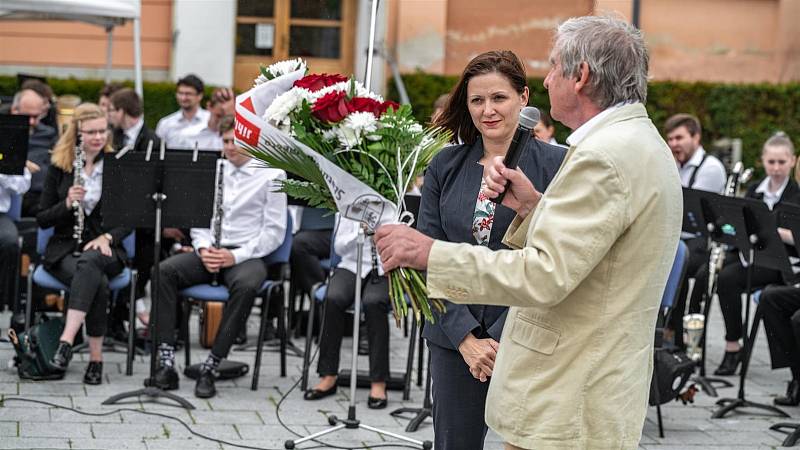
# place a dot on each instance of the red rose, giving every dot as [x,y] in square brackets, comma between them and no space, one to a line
[316,82]
[331,107]
[365,104]
[389,104]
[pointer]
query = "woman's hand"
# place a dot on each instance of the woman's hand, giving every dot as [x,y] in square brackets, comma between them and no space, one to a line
[75,194]
[522,197]
[101,244]
[479,354]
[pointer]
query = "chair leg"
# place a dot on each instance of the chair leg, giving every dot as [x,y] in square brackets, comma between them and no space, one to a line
[187,312]
[312,306]
[410,360]
[131,325]
[660,422]
[260,342]
[29,299]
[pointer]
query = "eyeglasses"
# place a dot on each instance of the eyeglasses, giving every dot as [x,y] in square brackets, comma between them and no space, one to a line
[99,132]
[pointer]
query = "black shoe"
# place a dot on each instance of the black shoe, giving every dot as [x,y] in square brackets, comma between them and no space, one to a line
[62,356]
[376,403]
[316,394]
[94,373]
[729,363]
[166,378]
[792,397]
[204,388]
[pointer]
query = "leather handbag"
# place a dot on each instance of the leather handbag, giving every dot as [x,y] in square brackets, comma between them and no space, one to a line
[36,347]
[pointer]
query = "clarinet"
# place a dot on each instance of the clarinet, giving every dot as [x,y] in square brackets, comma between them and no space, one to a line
[218,213]
[77,180]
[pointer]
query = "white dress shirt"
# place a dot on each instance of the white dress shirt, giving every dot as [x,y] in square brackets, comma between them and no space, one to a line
[582,131]
[133,132]
[205,137]
[710,176]
[169,128]
[13,184]
[94,187]
[770,198]
[345,245]
[254,215]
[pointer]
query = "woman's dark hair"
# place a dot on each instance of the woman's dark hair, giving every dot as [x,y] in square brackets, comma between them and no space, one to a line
[455,116]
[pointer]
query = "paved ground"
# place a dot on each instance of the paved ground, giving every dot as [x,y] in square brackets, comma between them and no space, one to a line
[249,419]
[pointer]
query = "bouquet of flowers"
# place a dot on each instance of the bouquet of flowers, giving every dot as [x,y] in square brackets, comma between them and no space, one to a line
[355,153]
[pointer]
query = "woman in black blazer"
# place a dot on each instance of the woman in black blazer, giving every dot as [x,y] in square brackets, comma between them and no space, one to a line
[483,113]
[100,256]
[777,158]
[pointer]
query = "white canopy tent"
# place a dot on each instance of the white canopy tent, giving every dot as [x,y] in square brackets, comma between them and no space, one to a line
[105,13]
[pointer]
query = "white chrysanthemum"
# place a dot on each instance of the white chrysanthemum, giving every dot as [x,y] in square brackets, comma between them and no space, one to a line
[415,128]
[328,135]
[361,122]
[260,80]
[280,68]
[280,108]
[342,86]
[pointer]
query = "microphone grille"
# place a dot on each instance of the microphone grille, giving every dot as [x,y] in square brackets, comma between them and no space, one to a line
[529,117]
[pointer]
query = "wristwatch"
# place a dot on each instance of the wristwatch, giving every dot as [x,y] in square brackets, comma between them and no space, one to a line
[109,237]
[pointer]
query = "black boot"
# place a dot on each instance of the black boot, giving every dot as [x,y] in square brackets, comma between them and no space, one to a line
[165,378]
[94,373]
[205,385]
[729,363]
[62,356]
[792,397]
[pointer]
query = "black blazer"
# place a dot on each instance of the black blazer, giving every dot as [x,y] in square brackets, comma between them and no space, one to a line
[449,194]
[55,213]
[140,145]
[791,194]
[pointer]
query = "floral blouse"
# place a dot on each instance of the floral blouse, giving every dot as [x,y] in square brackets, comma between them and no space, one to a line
[483,217]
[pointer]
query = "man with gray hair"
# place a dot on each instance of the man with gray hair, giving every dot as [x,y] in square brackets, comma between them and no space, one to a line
[589,258]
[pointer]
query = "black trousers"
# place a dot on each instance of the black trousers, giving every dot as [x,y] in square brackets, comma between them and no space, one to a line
[732,284]
[9,258]
[87,276]
[698,258]
[780,306]
[459,402]
[186,269]
[308,248]
[375,304]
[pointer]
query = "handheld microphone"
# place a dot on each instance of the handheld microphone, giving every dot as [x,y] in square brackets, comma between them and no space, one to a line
[528,118]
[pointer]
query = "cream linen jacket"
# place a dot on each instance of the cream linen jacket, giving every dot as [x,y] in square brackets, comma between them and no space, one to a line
[575,360]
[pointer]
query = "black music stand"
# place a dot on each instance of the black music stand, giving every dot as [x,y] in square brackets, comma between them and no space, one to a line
[178,190]
[753,226]
[13,144]
[699,219]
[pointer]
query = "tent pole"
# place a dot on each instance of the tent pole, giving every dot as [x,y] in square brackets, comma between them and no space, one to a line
[109,51]
[137,56]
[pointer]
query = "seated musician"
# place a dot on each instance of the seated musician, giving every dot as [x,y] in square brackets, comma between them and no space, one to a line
[375,305]
[778,158]
[780,306]
[10,185]
[86,268]
[253,226]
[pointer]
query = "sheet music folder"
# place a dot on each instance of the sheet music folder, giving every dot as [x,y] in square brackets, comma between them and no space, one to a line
[14,136]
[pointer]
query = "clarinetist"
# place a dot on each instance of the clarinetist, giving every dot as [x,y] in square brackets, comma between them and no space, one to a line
[253,226]
[100,255]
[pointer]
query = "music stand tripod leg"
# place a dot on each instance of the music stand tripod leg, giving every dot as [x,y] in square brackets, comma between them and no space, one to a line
[352,422]
[707,383]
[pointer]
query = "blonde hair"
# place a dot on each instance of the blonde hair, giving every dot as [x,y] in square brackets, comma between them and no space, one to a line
[64,150]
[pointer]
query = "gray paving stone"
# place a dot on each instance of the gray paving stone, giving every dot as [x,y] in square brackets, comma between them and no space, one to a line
[34,443]
[9,429]
[226,432]
[128,431]
[29,415]
[181,444]
[109,444]
[55,429]
[9,388]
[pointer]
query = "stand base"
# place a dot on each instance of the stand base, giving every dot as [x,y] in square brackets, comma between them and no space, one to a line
[152,392]
[732,404]
[707,386]
[354,424]
[420,414]
[793,436]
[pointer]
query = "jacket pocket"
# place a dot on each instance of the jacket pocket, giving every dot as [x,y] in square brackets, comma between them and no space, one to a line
[534,336]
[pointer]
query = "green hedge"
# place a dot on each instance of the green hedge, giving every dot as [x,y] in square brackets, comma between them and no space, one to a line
[159,97]
[751,112]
